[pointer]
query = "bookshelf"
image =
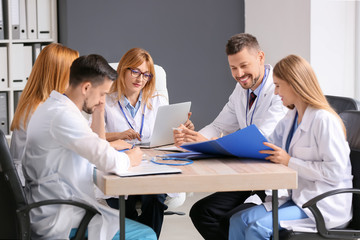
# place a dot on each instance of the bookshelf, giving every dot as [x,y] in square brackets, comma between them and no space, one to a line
[26,26]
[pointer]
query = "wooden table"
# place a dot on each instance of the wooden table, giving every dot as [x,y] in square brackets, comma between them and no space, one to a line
[206,175]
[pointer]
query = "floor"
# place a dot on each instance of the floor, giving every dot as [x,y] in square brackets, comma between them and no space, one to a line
[177,227]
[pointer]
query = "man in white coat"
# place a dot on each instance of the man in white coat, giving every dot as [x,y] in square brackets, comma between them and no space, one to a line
[252,102]
[61,151]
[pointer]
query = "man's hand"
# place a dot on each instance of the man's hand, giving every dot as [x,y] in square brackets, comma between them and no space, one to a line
[135,156]
[183,134]
[188,124]
[120,144]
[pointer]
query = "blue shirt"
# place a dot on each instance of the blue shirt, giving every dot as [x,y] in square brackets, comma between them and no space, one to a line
[133,110]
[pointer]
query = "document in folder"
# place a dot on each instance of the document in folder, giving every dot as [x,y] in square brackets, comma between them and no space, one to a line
[245,143]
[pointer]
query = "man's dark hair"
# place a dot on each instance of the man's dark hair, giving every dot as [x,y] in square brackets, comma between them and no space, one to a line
[91,68]
[240,41]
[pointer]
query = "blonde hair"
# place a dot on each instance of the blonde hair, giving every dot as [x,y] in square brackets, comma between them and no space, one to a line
[132,59]
[298,73]
[50,72]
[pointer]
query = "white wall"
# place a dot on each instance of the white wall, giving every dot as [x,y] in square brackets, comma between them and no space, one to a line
[332,45]
[321,31]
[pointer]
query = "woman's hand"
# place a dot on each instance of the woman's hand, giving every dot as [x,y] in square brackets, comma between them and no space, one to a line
[277,155]
[130,134]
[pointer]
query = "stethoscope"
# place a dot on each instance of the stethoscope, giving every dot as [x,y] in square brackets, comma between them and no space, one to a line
[247,98]
[185,161]
[142,119]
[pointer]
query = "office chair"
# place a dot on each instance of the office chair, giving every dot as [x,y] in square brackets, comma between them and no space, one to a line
[341,104]
[160,84]
[351,120]
[14,208]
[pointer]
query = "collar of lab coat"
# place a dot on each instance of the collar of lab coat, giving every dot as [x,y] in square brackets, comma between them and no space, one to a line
[62,98]
[304,125]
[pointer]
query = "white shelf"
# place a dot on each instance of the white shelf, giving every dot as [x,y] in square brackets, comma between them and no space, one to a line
[15,61]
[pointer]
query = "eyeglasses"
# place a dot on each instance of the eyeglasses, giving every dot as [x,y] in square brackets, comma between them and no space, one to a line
[136,73]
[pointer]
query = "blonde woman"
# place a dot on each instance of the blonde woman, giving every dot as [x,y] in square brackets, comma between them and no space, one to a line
[311,139]
[130,111]
[50,72]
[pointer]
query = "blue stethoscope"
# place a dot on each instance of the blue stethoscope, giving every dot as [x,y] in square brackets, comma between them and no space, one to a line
[247,102]
[142,119]
[185,161]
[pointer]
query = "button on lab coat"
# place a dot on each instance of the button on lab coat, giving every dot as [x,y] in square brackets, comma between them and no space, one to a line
[320,155]
[268,109]
[58,164]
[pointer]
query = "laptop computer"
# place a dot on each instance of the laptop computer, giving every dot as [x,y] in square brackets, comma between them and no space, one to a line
[167,118]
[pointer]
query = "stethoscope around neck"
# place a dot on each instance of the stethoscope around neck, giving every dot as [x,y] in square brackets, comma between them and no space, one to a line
[256,100]
[142,118]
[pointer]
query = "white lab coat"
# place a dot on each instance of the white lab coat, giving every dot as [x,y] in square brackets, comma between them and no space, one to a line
[17,147]
[116,122]
[268,112]
[320,155]
[58,164]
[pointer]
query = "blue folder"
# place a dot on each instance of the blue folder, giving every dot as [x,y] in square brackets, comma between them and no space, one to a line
[245,143]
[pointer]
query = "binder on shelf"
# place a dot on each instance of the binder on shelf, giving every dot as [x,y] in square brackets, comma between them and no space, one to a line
[44,19]
[23,30]
[4,116]
[2,25]
[31,19]
[17,95]
[36,48]
[15,19]
[3,68]
[21,64]
[28,62]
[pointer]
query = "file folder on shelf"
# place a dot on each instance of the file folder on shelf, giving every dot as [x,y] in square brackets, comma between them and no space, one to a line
[44,19]
[245,143]
[22,25]
[2,25]
[15,19]
[17,95]
[31,19]
[36,48]
[3,68]
[21,64]
[4,120]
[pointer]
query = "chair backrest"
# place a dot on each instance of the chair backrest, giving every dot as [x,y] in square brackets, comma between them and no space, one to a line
[160,75]
[12,195]
[341,104]
[351,120]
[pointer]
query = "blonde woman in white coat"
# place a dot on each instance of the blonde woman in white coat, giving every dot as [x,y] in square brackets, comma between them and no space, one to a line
[130,111]
[312,140]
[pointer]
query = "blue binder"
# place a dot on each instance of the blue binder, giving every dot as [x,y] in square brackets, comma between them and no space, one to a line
[245,143]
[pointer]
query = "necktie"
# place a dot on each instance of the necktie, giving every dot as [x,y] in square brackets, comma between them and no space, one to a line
[252,99]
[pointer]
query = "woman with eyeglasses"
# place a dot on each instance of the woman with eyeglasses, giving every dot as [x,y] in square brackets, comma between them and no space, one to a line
[130,111]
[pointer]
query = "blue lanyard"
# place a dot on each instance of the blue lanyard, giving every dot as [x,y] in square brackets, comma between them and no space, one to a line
[256,100]
[185,161]
[142,119]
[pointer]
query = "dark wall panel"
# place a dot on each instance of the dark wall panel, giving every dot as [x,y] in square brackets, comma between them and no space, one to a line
[187,38]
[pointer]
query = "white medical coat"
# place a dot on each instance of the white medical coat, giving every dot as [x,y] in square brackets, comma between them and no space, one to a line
[116,122]
[320,155]
[17,147]
[58,164]
[268,111]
